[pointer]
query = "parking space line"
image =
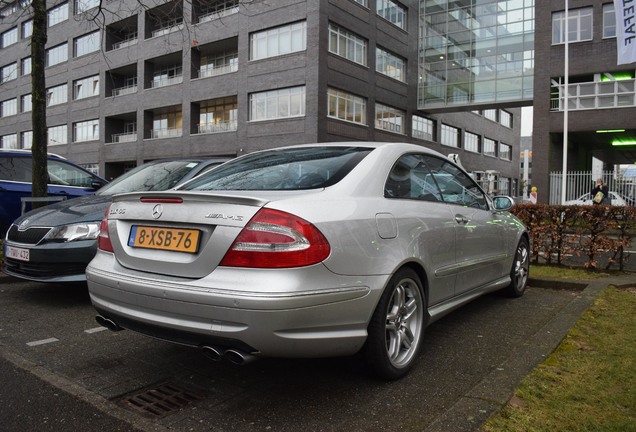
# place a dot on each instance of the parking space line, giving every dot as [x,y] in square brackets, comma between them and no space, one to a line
[42,342]
[95,330]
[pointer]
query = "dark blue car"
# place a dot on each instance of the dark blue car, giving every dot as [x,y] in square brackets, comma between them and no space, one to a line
[66,180]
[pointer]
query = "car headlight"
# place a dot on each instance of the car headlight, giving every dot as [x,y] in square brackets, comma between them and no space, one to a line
[69,233]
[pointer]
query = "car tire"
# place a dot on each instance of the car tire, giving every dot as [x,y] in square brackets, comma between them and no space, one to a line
[520,270]
[396,327]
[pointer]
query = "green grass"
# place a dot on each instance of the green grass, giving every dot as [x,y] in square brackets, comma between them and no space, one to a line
[589,382]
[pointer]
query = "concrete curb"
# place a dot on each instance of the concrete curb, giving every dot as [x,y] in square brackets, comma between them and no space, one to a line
[488,397]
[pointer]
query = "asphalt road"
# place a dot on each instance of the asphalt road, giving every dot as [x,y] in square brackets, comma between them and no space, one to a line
[60,371]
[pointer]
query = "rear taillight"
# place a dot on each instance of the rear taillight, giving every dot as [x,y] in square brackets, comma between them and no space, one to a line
[103,239]
[275,239]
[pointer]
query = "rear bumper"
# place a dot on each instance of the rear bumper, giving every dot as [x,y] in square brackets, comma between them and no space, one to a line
[307,312]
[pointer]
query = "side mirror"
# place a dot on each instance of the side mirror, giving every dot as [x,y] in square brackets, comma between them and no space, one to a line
[503,203]
[97,184]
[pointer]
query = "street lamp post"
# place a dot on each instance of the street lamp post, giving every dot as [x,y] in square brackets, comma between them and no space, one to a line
[566,103]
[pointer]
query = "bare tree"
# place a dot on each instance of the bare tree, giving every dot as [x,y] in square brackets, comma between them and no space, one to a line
[38,100]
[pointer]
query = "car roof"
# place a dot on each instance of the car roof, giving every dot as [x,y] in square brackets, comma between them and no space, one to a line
[26,152]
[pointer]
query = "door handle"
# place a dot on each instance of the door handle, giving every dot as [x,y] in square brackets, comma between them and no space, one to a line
[461,219]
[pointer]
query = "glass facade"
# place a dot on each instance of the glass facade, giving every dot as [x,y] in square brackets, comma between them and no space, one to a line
[475,52]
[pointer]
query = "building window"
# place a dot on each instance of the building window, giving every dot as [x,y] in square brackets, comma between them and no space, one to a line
[9,141]
[505,151]
[347,45]
[389,119]
[167,75]
[609,21]
[57,135]
[211,10]
[57,54]
[26,139]
[57,14]
[490,114]
[9,10]
[9,107]
[390,65]
[213,64]
[25,103]
[218,115]
[25,66]
[9,72]
[86,131]
[505,118]
[579,25]
[167,124]
[86,87]
[9,37]
[471,142]
[364,3]
[86,44]
[449,136]
[84,5]
[489,147]
[278,41]
[347,107]
[57,95]
[27,29]
[274,104]
[422,128]
[393,12]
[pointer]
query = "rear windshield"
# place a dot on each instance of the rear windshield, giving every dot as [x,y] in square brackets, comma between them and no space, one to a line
[283,169]
[159,176]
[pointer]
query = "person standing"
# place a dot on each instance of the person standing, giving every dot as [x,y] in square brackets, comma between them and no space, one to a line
[600,193]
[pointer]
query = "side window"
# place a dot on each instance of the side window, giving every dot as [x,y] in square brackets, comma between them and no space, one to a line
[455,185]
[16,169]
[62,173]
[411,178]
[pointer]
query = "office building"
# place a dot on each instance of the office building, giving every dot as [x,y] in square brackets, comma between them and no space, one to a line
[183,78]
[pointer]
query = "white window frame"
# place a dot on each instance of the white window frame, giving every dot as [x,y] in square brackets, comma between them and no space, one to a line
[449,136]
[277,104]
[578,26]
[57,95]
[346,107]
[57,135]
[389,119]
[86,87]
[348,45]
[86,44]
[9,107]
[87,130]
[609,21]
[422,128]
[9,37]
[389,64]
[393,12]
[57,14]
[471,142]
[57,54]
[278,41]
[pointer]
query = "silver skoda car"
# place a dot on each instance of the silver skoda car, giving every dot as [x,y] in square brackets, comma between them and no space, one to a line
[307,251]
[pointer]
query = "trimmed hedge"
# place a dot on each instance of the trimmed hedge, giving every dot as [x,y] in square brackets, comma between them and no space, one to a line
[595,232]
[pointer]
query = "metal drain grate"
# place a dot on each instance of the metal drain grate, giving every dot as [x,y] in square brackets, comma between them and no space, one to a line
[162,400]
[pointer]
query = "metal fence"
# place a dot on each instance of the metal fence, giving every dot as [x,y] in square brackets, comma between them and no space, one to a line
[579,183]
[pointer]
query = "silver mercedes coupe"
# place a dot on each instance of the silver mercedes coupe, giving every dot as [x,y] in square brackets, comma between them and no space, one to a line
[314,250]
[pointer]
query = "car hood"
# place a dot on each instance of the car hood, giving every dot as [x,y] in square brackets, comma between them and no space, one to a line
[89,208]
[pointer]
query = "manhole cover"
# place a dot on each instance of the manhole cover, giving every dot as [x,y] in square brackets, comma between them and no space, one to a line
[160,401]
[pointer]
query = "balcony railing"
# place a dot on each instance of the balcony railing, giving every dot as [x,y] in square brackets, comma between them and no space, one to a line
[205,72]
[124,43]
[125,90]
[596,95]
[162,82]
[208,128]
[167,30]
[218,14]
[124,137]
[166,133]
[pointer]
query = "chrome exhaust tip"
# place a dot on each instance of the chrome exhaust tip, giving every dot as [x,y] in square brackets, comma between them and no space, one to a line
[238,357]
[108,323]
[213,353]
